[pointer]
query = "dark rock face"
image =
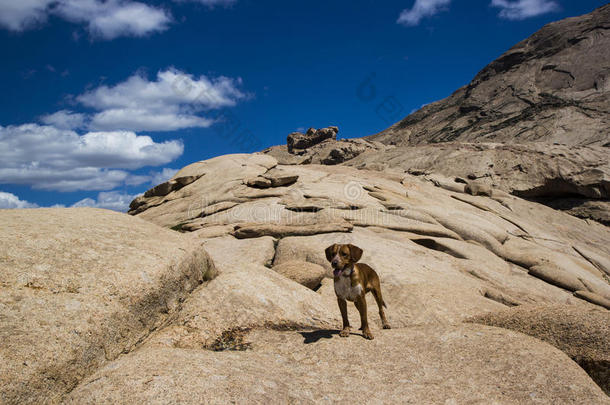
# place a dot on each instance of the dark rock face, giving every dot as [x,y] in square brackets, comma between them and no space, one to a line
[140,203]
[298,140]
[551,87]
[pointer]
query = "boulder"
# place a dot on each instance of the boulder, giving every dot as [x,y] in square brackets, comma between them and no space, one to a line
[478,188]
[259,182]
[442,256]
[282,181]
[580,331]
[308,274]
[463,364]
[80,286]
[593,298]
[246,294]
[298,140]
[329,151]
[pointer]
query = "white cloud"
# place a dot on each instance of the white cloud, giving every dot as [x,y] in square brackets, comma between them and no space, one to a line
[522,9]
[171,102]
[8,200]
[106,19]
[421,9]
[138,119]
[111,200]
[209,3]
[113,18]
[64,119]
[49,158]
[19,15]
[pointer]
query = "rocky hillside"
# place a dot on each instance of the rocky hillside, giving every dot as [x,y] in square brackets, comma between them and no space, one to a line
[551,87]
[101,307]
[216,289]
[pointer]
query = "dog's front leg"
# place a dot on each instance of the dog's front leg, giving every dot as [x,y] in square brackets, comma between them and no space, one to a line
[343,307]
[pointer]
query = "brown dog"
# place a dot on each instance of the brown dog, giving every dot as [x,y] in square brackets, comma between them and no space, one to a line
[352,282]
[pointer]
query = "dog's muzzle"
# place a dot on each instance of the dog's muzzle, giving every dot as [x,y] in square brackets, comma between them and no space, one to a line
[336,270]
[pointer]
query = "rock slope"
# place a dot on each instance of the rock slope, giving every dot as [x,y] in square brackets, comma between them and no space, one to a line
[573,179]
[145,320]
[79,287]
[444,257]
[551,87]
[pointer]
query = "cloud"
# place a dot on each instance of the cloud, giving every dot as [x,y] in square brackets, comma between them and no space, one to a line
[111,200]
[113,18]
[139,119]
[50,158]
[522,9]
[105,19]
[23,14]
[64,119]
[209,3]
[421,9]
[8,200]
[173,101]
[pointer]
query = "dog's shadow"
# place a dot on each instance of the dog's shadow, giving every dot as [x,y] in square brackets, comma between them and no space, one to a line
[316,335]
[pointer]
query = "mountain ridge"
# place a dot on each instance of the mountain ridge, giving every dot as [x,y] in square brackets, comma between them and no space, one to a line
[546,88]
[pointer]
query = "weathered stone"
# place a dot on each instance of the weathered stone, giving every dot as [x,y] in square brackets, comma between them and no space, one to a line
[244,231]
[213,231]
[502,366]
[216,208]
[556,276]
[308,274]
[161,190]
[580,331]
[245,294]
[298,140]
[593,298]
[80,286]
[259,182]
[281,181]
[478,188]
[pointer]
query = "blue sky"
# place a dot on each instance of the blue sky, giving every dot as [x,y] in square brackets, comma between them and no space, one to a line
[101,100]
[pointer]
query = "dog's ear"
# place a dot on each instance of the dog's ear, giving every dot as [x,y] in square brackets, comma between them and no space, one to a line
[355,252]
[330,252]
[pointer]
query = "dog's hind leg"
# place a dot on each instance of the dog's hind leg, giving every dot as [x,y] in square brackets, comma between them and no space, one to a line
[376,290]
